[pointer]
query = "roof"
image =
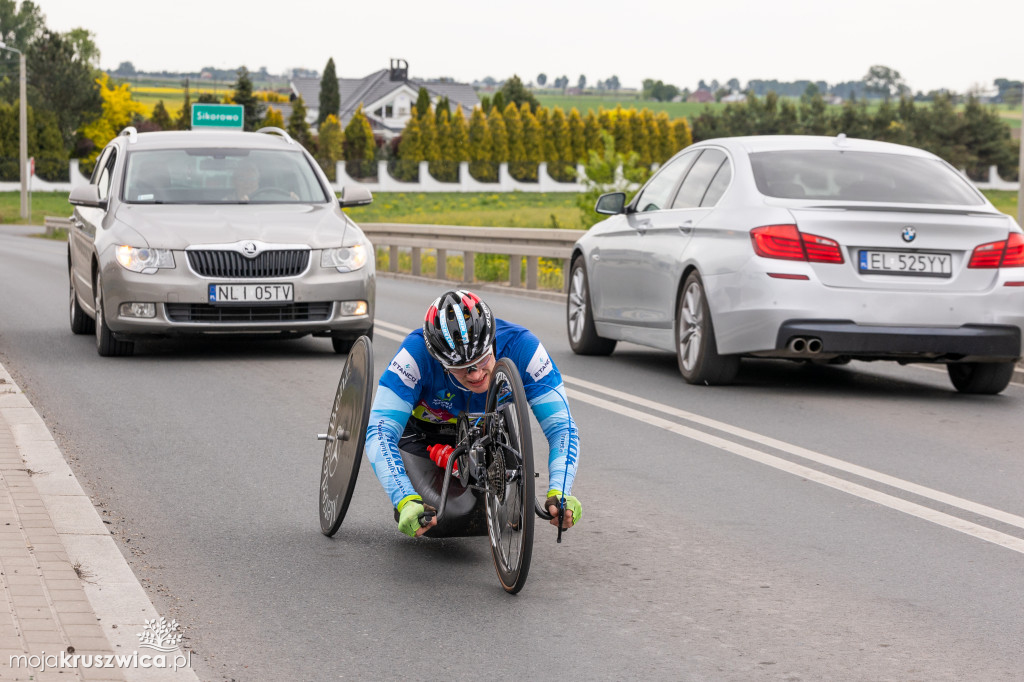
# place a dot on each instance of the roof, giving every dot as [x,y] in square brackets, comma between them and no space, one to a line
[176,139]
[763,143]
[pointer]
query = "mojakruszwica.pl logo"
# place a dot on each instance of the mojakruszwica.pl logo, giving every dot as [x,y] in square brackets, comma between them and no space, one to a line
[160,635]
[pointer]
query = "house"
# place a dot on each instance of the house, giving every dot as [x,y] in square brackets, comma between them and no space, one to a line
[387,97]
[702,95]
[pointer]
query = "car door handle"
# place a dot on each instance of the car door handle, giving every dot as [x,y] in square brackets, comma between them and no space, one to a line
[686,227]
[643,225]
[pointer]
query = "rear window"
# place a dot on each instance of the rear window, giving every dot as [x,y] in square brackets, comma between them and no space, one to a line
[860,176]
[221,176]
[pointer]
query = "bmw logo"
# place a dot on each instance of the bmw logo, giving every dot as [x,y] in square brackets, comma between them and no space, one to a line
[249,248]
[909,234]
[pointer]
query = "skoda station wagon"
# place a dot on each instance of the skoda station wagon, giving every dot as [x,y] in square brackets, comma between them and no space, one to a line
[215,232]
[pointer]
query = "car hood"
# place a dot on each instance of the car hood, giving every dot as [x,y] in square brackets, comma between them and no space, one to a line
[177,227]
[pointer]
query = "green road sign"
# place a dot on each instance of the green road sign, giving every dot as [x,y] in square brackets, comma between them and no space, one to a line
[218,116]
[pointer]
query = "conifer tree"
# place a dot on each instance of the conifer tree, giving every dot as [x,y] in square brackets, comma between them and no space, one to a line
[460,137]
[430,150]
[298,127]
[330,98]
[444,107]
[410,151]
[516,151]
[447,170]
[499,136]
[481,166]
[243,95]
[184,120]
[789,119]
[359,146]
[161,117]
[330,147]
[667,146]
[591,134]
[621,131]
[577,137]
[682,133]
[533,142]
[273,119]
[422,105]
[561,165]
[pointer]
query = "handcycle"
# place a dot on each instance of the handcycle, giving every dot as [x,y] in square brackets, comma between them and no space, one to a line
[489,475]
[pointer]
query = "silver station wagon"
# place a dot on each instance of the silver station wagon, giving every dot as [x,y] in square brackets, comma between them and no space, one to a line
[201,232]
[804,248]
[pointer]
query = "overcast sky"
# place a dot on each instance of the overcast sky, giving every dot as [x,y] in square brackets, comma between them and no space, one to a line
[932,43]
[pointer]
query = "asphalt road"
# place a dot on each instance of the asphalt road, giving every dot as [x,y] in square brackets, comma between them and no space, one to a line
[809,523]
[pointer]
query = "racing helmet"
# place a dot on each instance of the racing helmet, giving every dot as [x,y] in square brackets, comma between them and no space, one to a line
[458,329]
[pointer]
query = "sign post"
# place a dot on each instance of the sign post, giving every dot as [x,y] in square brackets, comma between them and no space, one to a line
[218,116]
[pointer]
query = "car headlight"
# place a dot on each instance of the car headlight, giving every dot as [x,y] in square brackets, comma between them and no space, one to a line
[144,260]
[345,259]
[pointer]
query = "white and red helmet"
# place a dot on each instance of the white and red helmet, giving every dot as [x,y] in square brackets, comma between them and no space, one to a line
[458,329]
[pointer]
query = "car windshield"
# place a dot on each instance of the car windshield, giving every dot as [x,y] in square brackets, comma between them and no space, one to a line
[860,176]
[221,176]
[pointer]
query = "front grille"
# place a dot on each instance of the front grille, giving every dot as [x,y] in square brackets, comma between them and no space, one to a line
[291,312]
[232,264]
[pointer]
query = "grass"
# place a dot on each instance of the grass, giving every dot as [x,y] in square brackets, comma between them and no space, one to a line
[512,209]
[509,209]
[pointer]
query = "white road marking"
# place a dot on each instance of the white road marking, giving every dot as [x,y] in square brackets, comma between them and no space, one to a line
[920,511]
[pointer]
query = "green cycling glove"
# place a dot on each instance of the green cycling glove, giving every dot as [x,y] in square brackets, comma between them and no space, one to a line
[571,504]
[409,510]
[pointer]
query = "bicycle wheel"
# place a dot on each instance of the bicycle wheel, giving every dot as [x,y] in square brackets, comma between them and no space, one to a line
[509,484]
[346,435]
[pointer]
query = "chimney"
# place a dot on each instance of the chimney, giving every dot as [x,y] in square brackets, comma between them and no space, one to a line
[399,70]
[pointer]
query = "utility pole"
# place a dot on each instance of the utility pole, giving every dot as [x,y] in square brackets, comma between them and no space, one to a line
[22,129]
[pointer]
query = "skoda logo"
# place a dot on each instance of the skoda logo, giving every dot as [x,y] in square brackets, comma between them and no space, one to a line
[909,234]
[249,248]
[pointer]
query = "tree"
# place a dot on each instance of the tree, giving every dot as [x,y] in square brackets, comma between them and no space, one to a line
[84,46]
[542,78]
[533,143]
[603,174]
[447,169]
[561,164]
[253,107]
[422,103]
[499,136]
[20,24]
[480,159]
[273,119]
[298,128]
[60,82]
[330,99]
[125,69]
[884,81]
[161,117]
[359,146]
[612,83]
[330,147]
[117,112]
[515,92]
[516,150]
[582,82]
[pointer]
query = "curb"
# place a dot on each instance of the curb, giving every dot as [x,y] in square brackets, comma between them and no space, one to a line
[119,601]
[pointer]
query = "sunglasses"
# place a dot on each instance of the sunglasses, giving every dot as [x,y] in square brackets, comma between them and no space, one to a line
[479,363]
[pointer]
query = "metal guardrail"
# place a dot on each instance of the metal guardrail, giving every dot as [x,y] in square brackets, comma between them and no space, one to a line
[515,242]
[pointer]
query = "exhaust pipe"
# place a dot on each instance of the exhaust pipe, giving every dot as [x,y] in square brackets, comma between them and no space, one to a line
[814,346]
[797,345]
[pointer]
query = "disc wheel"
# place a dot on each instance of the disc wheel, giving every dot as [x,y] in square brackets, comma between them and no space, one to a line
[346,435]
[509,484]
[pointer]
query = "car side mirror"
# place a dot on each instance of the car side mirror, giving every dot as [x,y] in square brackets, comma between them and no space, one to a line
[612,203]
[355,196]
[87,195]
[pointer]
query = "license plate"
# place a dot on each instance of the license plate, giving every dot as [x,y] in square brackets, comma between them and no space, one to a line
[251,293]
[906,263]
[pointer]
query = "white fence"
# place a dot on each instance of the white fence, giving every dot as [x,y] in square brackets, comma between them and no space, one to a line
[386,183]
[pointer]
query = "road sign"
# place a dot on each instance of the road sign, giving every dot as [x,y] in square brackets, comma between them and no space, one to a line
[218,116]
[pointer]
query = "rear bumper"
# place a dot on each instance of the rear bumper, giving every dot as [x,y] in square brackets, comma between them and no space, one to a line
[843,337]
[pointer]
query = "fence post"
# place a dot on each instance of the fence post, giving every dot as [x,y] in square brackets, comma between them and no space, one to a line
[442,264]
[393,258]
[515,275]
[531,272]
[416,252]
[468,271]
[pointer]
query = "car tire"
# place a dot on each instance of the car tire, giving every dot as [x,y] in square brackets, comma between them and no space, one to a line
[696,349]
[343,344]
[80,322]
[106,344]
[579,316]
[981,378]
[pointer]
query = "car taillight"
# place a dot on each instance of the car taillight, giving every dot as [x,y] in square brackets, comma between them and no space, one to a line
[788,243]
[1008,253]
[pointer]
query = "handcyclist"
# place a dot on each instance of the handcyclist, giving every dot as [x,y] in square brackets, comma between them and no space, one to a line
[444,369]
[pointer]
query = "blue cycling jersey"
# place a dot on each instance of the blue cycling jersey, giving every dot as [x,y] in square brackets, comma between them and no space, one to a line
[415,386]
